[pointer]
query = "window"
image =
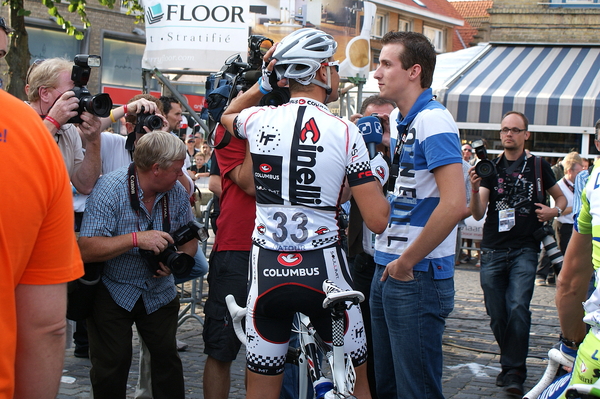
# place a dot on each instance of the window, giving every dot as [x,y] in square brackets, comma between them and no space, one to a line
[380,27]
[437,38]
[403,25]
[575,3]
[48,43]
[122,62]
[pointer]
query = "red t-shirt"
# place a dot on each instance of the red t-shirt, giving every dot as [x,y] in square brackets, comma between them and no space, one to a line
[236,220]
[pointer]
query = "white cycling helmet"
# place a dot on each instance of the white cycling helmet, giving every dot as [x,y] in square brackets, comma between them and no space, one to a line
[300,54]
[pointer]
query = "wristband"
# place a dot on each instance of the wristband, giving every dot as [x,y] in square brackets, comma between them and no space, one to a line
[568,342]
[261,88]
[112,117]
[125,108]
[134,237]
[474,191]
[53,121]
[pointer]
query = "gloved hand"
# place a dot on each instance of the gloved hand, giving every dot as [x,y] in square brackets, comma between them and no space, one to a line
[380,168]
[265,84]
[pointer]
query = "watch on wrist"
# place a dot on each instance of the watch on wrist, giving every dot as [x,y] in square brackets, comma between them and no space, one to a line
[569,342]
[558,210]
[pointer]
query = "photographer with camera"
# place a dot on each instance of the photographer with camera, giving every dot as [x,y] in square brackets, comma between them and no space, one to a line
[121,219]
[513,193]
[51,93]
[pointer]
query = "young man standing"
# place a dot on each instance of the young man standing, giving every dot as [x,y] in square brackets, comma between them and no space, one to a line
[413,287]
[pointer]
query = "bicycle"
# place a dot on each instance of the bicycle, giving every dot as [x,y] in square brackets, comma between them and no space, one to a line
[550,386]
[311,345]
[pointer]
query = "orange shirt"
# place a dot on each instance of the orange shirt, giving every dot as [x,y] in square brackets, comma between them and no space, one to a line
[37,240]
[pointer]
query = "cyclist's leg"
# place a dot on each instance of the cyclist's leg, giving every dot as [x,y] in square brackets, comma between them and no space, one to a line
[268,328]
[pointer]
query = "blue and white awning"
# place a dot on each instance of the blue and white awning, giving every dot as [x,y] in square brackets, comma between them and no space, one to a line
[551,85]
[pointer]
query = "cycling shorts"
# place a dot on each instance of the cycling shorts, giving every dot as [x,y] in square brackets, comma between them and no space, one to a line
[285,283]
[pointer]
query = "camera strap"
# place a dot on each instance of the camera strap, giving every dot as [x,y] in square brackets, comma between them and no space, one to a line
[402,125]
[134,198]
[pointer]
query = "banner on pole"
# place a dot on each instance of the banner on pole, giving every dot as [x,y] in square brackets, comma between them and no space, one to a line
[184,34]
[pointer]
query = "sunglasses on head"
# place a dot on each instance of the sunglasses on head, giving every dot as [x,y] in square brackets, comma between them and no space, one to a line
[4,26]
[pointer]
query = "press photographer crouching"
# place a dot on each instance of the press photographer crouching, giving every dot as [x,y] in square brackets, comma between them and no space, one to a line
[136,208]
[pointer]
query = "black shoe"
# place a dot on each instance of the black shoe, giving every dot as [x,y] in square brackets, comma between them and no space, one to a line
[500,379]
[513,384]
[82,352]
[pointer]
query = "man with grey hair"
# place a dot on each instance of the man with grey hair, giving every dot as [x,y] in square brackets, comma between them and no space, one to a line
[50,94]
[132,209]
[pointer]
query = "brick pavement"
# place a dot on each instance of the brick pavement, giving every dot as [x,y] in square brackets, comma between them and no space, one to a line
[471,354]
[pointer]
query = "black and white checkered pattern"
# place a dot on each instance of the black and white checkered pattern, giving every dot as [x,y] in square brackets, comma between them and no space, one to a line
[259,241]
[265,362]
[357,167]
[322,242]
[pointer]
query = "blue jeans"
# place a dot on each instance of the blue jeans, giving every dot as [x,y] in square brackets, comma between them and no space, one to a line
[408,321]
[507,278]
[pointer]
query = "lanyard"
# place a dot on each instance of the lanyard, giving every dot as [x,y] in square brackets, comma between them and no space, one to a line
[135,200]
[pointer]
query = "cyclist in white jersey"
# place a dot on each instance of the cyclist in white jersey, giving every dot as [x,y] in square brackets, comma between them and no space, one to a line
[301,156]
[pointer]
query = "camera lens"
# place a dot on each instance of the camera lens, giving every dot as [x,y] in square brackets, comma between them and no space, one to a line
[99,105]
[154,122]
[181,264]
[485,168]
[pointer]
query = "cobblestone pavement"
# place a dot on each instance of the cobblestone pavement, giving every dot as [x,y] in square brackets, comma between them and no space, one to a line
[470,362]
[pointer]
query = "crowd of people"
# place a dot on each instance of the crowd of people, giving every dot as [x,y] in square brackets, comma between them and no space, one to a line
[279,184]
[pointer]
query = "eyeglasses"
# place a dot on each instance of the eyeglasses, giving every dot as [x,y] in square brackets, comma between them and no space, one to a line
[4,26]
[335,64]
[33,65]
[514,130]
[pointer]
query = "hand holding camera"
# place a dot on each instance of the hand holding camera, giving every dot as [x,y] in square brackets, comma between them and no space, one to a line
[148,121]
[179,263]
[65,108]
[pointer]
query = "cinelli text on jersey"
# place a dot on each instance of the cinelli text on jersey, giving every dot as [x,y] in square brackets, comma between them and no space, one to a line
[301,154]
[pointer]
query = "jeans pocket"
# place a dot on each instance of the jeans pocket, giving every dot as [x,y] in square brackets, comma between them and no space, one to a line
[445,290]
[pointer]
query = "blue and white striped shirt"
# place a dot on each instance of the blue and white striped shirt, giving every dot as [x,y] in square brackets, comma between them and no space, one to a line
[432,141]
[109,213]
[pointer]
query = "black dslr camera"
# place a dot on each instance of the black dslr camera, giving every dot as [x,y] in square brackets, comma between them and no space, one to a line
[100,104]
[181,264]
[484,168]
[145,119]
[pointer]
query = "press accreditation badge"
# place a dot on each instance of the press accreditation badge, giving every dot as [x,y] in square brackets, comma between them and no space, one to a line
[506,219]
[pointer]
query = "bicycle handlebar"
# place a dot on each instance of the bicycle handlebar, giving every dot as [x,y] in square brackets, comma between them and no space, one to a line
[237,314]
[555,359]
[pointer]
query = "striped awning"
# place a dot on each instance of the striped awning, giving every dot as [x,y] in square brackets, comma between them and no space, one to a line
[551,85]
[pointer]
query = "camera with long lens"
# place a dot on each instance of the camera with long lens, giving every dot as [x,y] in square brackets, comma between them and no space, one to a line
[484,168]
[179,263]
[146,119]
[100,104]
[545,234]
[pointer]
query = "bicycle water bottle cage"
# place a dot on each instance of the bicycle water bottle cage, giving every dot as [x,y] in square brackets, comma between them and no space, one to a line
[335,295]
